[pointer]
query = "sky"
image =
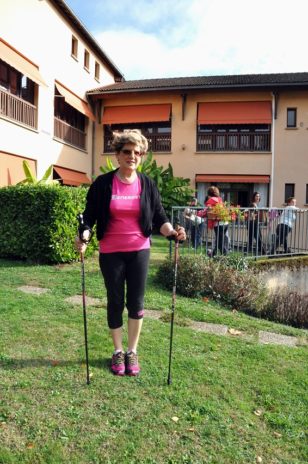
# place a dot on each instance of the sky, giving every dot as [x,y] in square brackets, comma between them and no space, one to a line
[180,38]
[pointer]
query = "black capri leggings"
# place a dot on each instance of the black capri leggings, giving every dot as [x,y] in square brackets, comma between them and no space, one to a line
[117,268]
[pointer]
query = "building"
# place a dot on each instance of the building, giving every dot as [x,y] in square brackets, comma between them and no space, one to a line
[45,116]
[61,97]
[243,133]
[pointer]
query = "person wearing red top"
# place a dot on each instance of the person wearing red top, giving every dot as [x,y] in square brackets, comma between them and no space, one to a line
[220,227]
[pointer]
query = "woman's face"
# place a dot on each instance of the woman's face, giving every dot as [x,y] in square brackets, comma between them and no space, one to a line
[257,198]
[129,157]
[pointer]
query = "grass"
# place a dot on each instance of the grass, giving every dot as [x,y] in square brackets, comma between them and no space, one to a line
[231,399]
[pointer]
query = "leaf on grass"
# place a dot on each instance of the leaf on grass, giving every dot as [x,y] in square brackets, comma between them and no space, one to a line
[259,459]
[175,419]
[91,375]
[205,299]
[191,430]
[234,332]
[277,434]
[54,362]
[30,445]
[258,412]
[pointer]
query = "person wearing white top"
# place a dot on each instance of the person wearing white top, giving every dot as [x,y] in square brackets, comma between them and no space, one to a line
[285,225]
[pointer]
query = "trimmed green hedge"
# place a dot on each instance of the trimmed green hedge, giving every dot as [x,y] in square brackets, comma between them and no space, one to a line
[38,222]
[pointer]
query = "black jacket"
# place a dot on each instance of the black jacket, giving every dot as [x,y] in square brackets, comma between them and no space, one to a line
[97,209]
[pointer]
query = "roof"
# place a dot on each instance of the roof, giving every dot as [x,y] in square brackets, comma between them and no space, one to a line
[206,83]
[64,9]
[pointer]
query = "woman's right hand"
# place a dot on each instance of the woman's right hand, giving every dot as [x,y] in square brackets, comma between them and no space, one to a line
[80,245]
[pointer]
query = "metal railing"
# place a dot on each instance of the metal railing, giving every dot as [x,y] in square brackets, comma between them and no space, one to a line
[17,109]
[246,141]
[69,134]
[254,233]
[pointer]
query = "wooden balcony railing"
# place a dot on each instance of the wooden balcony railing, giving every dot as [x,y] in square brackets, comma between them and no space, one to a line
[17,109]
[69,134]
[157,142]
[248,141]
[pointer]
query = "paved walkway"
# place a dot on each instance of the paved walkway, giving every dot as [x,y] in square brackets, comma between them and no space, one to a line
[267,338]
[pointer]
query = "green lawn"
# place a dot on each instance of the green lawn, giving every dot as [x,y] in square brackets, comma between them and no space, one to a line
[231,400]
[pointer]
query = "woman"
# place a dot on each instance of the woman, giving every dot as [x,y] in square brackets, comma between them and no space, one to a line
[125,205]
[254,229]
[220,227]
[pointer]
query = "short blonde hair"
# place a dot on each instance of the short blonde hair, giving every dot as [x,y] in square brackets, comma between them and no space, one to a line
[129,136]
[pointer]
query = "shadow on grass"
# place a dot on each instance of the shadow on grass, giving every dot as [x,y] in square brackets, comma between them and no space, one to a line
[15,363]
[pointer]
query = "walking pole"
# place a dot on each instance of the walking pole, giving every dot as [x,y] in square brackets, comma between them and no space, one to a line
[80,220]
[176,258]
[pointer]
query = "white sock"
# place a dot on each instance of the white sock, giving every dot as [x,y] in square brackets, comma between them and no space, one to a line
[117,351]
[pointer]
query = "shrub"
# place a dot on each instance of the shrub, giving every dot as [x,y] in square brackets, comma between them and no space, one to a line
[289,308]
[190,275]
[243,290]
[38,222]
[198,275]
[234,260]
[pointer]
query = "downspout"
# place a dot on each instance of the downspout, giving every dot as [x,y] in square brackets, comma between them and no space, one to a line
[97,113]
[274,117]
[184,97]
[93,150]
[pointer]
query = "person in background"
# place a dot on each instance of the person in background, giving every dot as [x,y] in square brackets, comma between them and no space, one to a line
[285,225]
[194,223]
[125,205]
[220,227]
[254,226]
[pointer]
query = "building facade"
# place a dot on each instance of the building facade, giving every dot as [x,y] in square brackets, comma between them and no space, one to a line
[61,98]
[48,61]
[241,133]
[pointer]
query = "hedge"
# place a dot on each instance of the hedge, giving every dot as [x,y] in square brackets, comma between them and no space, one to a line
[38,222]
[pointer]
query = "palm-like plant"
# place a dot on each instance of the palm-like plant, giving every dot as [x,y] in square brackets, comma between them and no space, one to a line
[32,179]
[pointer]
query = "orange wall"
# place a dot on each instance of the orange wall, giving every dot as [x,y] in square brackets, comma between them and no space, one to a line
[11,170]
[183,157]
[288,155]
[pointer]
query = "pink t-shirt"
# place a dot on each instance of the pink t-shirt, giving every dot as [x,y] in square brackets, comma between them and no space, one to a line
[124,232]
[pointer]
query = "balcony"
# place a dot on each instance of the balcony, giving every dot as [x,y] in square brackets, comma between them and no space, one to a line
[69,134]
[241,141]
[157,142]
[17,109]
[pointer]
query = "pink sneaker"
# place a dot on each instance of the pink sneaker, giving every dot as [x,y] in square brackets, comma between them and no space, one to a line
[131,364]
[118,363]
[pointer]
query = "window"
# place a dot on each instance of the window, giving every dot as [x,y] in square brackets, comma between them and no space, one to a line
[17,96]
[97,71]
[233,137]
[16,83]
[289,190]
[74,47]
[68,114]
[86,61]
[158,135]
[291,117]
[70,124]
